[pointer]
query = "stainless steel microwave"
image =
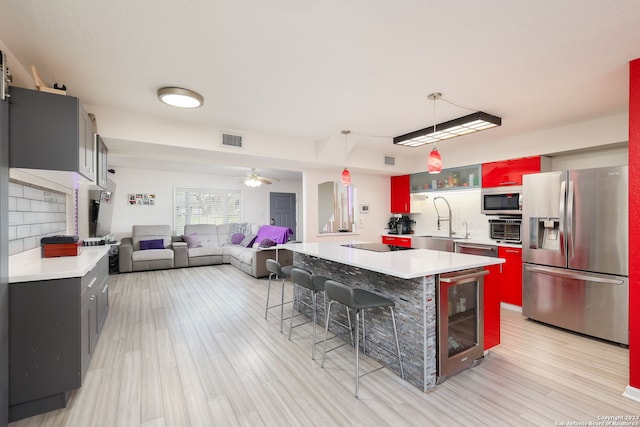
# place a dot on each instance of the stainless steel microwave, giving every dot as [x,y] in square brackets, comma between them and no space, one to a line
[502,200]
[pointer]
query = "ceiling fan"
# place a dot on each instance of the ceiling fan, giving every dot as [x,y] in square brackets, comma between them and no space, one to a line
[254,180]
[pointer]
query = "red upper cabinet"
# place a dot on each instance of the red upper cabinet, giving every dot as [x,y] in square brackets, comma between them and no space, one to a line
[509,172]
[400,194]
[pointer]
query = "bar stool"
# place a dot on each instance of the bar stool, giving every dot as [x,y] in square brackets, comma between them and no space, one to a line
[278,271]
[315,284]
[359,300]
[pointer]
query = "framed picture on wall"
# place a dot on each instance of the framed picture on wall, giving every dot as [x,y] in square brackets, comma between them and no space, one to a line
[141,199]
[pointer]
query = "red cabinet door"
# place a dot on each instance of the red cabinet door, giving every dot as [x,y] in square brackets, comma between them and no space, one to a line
[400,194]
[492,307]
[509,172]
[511,277]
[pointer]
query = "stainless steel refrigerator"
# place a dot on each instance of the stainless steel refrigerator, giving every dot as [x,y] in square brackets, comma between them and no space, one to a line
[575,251]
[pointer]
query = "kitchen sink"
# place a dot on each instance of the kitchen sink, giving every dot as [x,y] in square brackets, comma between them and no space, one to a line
[436,243]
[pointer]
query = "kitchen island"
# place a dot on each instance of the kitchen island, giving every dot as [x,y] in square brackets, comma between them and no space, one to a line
[409,278]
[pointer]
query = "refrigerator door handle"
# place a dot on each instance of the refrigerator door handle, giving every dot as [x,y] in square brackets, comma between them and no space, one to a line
[572,275]
[561,213]
[569,223]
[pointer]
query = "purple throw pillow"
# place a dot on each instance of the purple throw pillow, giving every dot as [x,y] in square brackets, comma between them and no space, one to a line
[267,243]
[237,238]
[151,244]
[193,240]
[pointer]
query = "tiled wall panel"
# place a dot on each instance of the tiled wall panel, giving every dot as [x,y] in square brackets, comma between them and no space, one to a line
[34,212]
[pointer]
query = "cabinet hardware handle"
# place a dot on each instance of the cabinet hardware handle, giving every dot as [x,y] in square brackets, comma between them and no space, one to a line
[106,288]
[454,279]
[512,251]
[90,285]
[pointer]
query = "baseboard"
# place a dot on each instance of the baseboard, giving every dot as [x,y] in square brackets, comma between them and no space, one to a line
[632,393]
[511,307]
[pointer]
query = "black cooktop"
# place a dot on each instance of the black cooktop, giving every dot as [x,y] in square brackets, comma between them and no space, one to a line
[376,247]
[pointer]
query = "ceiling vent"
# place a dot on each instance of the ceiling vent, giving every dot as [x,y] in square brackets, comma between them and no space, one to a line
[231,140]
[389,161]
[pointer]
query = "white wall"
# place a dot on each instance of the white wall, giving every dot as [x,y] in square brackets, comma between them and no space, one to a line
[373,190]
[255,200]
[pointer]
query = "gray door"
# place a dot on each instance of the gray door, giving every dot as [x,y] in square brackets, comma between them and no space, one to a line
[282,210]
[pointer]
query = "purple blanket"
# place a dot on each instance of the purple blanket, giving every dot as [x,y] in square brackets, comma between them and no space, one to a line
[277,234]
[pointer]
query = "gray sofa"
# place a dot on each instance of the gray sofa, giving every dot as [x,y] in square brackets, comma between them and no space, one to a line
[133,257]
[212,246]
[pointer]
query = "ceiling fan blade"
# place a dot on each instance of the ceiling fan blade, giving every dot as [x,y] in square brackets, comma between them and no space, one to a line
[263,180]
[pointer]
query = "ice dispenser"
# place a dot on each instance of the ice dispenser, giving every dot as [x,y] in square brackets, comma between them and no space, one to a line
[544,233]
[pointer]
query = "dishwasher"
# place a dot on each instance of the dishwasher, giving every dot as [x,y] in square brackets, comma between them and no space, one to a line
[476,249]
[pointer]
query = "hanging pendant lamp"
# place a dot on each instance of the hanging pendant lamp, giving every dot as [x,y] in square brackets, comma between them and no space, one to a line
[346,175]
[434,162]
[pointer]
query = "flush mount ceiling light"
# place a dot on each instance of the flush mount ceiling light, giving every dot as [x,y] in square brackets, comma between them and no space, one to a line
[471,123]
[180,97]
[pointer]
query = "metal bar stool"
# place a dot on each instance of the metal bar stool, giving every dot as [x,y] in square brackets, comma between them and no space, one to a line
[276,270]
[359,300]
[315,284]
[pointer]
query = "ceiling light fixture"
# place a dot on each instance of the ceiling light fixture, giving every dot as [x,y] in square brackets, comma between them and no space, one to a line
[457,127]
[346,175]
[252,182]
[180,97]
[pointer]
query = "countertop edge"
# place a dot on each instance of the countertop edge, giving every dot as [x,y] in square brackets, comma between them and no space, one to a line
[31,269]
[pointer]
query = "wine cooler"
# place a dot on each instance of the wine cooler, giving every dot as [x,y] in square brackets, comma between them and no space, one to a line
[460,305]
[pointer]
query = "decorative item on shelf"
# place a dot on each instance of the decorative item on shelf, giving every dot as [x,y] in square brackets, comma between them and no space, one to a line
[346,175]
[180,97]
[42,86]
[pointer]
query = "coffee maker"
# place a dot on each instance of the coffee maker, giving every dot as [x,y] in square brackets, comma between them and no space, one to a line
[405,225]
[392,225]
[400,225]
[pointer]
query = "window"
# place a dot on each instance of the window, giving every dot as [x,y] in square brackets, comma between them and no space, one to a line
[200,206]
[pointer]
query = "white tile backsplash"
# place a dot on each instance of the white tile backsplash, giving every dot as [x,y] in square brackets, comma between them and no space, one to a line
[34,213]
[465,207]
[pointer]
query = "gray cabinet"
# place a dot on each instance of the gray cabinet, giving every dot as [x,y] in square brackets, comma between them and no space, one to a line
[54,328]
[50,132]
[101,163]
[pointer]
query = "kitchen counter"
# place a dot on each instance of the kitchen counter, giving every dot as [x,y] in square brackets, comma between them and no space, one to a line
[407,264]
[29,266]
[408,277]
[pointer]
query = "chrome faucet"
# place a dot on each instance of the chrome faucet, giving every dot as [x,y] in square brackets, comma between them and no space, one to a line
[443,218]
[466,229]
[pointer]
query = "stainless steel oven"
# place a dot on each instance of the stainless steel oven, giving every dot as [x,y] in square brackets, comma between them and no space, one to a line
[460,302]
[506,230]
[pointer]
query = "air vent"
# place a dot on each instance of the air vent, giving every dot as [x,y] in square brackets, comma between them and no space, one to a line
[388,160]
[231,140]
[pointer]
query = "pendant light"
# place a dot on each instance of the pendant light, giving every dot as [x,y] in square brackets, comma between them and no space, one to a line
[346,175]
[434,162]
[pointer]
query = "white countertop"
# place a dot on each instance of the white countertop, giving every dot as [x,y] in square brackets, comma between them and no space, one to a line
[30,266]
[407,264]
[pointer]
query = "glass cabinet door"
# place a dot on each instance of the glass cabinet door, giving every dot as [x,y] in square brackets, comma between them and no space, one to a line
[448,179]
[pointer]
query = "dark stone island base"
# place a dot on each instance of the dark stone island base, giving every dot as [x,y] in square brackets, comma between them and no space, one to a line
[415,312]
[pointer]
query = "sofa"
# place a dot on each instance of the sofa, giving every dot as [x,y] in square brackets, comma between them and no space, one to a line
[150,247]
[243,245]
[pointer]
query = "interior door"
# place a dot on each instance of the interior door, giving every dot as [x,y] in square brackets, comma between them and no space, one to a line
[282,210]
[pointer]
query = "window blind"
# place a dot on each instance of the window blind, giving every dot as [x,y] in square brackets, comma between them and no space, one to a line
[202,206]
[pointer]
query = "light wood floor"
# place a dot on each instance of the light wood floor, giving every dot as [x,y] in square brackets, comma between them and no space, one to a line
[190,347]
